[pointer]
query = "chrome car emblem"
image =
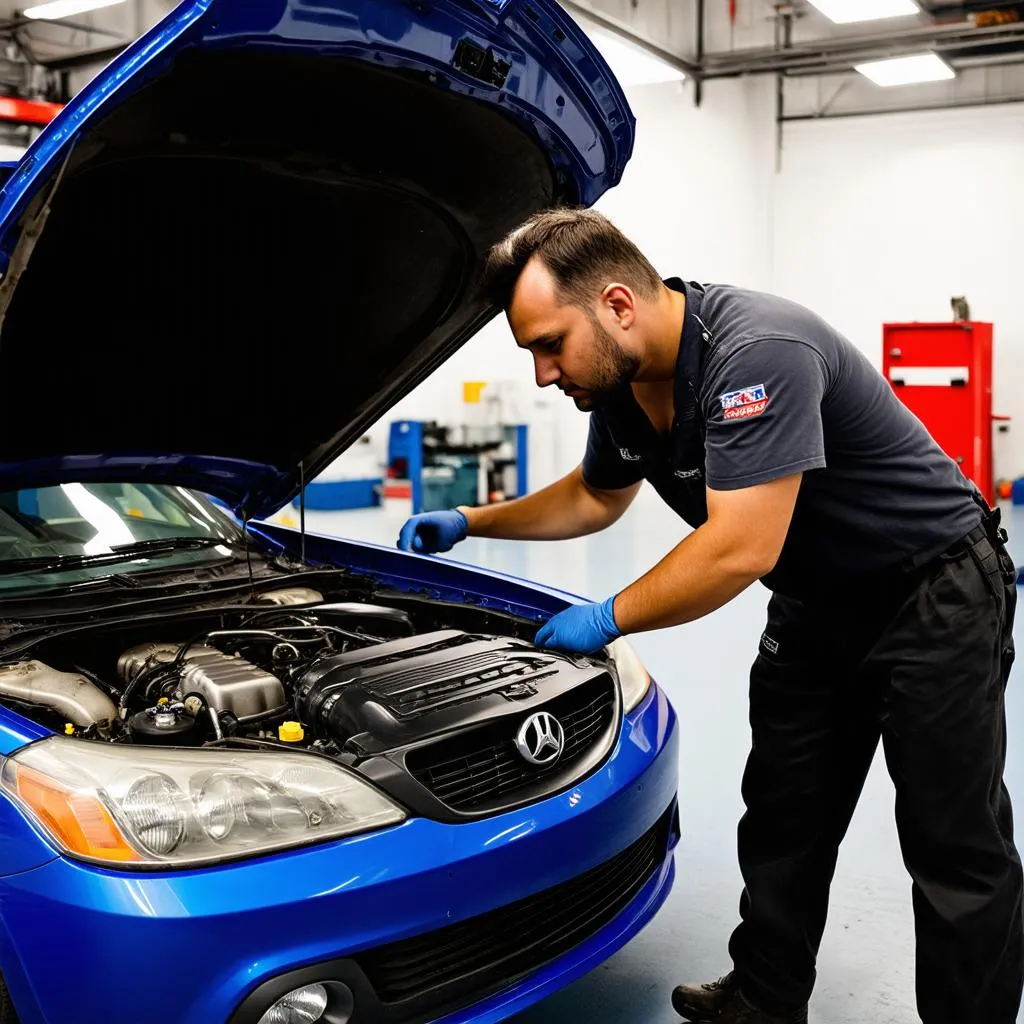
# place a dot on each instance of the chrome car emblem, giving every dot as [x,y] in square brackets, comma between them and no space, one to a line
[541,739]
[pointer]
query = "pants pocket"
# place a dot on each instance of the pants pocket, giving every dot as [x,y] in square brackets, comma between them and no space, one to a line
[1008,659]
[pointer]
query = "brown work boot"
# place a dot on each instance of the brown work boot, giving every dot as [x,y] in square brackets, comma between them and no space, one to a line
[703,1002]
[722,1002]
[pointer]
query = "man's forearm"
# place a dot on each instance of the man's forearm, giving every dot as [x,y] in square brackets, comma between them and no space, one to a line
[707,570]
[741,541]
[565,509]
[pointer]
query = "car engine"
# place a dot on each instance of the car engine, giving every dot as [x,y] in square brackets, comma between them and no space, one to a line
[432,711]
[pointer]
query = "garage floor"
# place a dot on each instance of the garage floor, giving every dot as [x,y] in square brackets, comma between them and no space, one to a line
[866,967]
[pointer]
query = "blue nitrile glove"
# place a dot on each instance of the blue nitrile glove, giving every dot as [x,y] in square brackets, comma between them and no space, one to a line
[583,627]
[432,532]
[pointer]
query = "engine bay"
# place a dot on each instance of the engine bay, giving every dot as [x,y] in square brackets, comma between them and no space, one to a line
[344,677]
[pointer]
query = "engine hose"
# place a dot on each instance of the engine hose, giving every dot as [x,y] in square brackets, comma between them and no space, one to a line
[215,722]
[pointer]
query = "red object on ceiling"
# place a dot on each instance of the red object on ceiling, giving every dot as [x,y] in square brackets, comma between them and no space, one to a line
[28,111]
[943,374]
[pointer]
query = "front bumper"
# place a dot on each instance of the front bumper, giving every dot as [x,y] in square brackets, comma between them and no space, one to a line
[87,946]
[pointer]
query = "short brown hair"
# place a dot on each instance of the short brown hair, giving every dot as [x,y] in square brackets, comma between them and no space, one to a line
[583,250]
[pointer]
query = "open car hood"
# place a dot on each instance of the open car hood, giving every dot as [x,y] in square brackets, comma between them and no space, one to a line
[264,223]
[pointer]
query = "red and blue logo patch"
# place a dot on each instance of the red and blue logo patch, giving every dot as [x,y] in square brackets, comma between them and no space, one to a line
[742,404]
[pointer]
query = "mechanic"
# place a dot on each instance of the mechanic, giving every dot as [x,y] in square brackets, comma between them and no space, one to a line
[891,608]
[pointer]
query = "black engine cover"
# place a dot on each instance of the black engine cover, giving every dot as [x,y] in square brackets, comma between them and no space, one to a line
[377,698]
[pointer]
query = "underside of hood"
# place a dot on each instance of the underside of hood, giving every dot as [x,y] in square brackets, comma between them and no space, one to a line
[223,274]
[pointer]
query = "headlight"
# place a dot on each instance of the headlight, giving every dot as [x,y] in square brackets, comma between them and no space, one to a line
[143,807]
[633,677]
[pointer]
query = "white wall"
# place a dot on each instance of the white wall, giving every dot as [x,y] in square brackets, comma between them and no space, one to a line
[870,219]
[885,218]
[695,198]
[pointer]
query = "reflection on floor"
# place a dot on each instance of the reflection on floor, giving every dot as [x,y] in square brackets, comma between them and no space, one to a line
[866,968]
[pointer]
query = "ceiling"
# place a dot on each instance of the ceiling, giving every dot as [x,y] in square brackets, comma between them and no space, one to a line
[811,58]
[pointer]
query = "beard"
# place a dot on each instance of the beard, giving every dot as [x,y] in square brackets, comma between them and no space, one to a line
[612,370]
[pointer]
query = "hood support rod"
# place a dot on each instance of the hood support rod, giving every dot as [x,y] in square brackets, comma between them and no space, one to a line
[302,512]
[248,555]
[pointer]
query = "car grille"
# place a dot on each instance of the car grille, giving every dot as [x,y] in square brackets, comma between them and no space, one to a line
[475,770]
[488,951]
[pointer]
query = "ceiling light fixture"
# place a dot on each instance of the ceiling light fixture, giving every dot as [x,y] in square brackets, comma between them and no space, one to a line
[66,8]
[921,67]
[844,12]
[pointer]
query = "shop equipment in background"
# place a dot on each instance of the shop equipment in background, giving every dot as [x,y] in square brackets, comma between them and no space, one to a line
[943,373]
[479,459]
[444,466]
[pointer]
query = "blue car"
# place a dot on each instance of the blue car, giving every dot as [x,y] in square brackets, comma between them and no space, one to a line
[247,775]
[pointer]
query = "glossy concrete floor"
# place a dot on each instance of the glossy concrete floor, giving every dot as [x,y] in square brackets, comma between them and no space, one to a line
[866,966]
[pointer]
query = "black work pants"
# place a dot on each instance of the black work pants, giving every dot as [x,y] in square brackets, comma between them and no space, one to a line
[925,669]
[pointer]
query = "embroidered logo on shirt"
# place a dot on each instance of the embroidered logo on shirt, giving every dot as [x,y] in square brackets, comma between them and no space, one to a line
[740,405]
[628,455]
[770,645]
[688,474]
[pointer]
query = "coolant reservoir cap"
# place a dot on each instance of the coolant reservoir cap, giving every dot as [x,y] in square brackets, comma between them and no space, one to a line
[290,732]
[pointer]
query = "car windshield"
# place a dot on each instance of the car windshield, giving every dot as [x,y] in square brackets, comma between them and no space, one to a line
[73,533]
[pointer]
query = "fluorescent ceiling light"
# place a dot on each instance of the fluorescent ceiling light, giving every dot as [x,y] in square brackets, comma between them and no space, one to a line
[842,12]
[631,64]
[66,8]
[922,67]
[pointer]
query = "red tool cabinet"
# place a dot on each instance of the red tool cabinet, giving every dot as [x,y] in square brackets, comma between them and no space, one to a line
[943,373]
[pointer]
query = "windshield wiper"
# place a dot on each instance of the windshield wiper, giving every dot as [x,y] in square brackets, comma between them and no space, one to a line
[160,544]
[117,553]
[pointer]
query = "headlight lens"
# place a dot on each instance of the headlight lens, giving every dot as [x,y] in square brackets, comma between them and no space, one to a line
[633,677]
[153,807]
[144,807]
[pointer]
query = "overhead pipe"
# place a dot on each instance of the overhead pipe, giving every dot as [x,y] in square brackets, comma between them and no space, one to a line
[783,41]
[994,60]
[839,67]
[933,34]
[839,56]
[991,101]
[698,82]
[872,39]
[959,64]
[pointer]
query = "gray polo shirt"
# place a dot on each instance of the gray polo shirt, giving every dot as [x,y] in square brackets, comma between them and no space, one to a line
[765,389]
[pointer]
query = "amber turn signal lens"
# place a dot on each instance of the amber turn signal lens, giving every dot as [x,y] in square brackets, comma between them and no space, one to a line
[78,821]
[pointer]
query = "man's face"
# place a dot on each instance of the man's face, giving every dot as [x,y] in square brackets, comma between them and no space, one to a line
[570,349]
